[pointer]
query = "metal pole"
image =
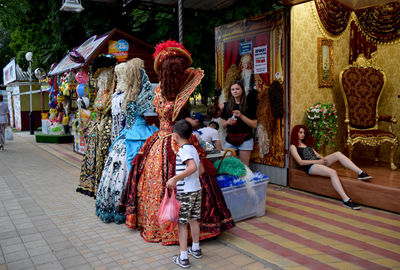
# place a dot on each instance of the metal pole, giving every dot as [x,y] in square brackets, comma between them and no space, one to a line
[180,20]
[31,127]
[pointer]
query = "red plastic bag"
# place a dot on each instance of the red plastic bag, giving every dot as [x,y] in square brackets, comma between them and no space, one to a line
[168,214]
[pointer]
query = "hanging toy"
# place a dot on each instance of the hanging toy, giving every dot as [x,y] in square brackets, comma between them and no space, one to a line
[81,77]
[80,90]
[66,88]
[60,98]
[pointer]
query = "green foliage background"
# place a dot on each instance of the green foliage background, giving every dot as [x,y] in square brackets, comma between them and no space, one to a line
[39,26]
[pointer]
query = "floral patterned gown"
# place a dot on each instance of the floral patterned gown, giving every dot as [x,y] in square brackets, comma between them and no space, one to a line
[97,139]
[155,164]
[117,114]
[122,152]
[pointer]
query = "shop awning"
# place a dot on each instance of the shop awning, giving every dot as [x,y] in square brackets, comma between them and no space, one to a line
[91,48]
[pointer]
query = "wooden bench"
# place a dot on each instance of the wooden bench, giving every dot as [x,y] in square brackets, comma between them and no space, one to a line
[373,194]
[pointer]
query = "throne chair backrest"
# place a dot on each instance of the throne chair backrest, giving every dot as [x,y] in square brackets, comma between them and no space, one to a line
[362,87]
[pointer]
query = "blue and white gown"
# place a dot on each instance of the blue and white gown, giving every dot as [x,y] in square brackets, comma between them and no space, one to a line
[122,152]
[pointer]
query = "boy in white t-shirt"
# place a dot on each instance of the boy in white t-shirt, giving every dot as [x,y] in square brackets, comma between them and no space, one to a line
[187,182]
[210,134]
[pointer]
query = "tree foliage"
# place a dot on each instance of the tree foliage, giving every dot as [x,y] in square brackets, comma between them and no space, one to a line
[39,26]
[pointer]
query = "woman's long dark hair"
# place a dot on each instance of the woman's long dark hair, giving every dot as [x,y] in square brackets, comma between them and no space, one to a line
[172,71]
[231,99]
[294,138]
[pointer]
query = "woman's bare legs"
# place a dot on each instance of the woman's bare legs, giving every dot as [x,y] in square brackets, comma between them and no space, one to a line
[244,156]
[323,170]
[345,161]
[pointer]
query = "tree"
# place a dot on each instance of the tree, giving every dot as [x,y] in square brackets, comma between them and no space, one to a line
[154,23]
[39,26]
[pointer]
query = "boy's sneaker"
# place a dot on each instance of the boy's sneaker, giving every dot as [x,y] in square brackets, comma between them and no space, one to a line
[195,253]
[363,176]
[182,263]
[351,205]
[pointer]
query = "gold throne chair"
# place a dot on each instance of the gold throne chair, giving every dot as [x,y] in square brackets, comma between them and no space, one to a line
[362,85]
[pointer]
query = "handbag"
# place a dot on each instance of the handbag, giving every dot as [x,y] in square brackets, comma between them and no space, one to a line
[237,139]
[168,215]
[9,134]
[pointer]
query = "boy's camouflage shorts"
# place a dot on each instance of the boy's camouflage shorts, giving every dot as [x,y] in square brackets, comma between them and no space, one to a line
[190,206]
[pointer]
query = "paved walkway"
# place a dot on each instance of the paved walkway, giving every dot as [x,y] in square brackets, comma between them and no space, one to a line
[45,224]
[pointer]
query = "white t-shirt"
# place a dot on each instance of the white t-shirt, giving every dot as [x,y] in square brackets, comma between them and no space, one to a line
[190,183]
[208,134]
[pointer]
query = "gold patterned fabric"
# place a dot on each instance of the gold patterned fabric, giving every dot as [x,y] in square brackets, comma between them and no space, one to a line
[362,87]
[98,142]
[87,177]
[371,133]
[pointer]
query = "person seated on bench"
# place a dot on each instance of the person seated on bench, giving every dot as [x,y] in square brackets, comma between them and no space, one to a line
[315,164]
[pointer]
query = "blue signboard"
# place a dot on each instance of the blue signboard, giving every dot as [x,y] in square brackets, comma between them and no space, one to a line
[246,47]
[122,45]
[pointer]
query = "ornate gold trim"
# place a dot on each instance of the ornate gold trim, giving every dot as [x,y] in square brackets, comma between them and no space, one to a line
[321,81]
[362,62]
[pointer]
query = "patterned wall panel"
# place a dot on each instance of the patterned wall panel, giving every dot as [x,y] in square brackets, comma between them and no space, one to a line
[304,75]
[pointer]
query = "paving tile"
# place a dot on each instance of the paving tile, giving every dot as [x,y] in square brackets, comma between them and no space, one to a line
[31,237]
[64,253]
[12,248]
[81,267]
[10,241]
[36,243]
[55,239]
[60,245]
[73,261]
[8,234]
[22,264]
[16,256]
[38,250]
[50,266]
[254,266]
[44,258]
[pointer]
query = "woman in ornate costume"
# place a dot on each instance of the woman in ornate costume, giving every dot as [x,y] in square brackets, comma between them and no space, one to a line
[155,162]
[139,99]
[117,113]
[97,134]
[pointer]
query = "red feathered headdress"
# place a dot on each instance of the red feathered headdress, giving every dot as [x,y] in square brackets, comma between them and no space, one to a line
[167,49]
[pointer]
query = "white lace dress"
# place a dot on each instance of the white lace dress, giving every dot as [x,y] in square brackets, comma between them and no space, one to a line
[118,115]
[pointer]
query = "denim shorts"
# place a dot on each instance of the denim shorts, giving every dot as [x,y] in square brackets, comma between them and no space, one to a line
[246,145]
[310,169]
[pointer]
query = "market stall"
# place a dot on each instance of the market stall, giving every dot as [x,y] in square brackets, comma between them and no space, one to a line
[18,95]
[71,88]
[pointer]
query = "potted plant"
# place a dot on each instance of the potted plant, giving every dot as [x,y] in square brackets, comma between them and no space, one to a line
[322,123]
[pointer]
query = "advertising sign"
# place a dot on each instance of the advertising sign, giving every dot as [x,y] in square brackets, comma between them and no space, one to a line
[260,60]
[9,73]
[119,49]
[245,47]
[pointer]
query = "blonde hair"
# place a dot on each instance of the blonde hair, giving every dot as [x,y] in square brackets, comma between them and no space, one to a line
[133,78]
[232,74]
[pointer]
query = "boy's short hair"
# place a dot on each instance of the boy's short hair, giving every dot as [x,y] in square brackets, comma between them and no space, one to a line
[183,128]
[216,125]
